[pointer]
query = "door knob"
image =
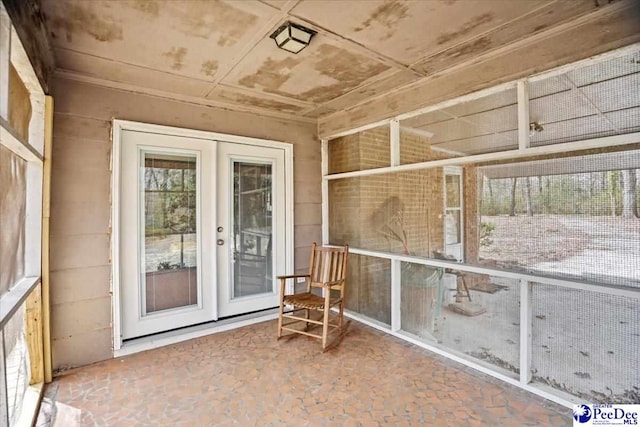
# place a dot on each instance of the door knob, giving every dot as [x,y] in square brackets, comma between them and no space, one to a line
[220,242]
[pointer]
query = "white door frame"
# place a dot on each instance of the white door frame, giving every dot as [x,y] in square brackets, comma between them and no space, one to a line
[454,170]
[118,126]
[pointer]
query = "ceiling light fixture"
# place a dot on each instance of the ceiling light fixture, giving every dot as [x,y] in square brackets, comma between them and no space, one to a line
[292,37]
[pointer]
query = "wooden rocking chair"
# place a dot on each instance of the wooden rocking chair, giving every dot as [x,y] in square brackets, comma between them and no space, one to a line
[327,271]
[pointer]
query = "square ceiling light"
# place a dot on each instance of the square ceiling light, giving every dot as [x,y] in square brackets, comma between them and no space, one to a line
[292,37]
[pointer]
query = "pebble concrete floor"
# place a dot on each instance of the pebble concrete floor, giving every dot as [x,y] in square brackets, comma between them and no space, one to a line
[245,377]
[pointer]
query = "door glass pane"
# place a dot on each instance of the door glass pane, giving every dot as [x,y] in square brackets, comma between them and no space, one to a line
[452,227]
[453,191]
[252,229]
[169,257]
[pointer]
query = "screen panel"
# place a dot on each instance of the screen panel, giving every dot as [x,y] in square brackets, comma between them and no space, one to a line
[368,289]
[588,102]
[573,217]
[586,343]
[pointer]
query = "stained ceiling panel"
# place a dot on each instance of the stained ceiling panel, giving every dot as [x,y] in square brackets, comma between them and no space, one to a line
[386,82]
[529,23]
[407,31]
[323,71]
[134,75]
[191,38]
[245,97]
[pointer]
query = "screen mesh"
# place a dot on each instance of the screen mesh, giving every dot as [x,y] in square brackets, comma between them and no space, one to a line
[575,217]
[16,353]
[586,343]
[368,290]
[13,192]
[483,323]
[397,212]
[482,125]
[368,149]
[589,102]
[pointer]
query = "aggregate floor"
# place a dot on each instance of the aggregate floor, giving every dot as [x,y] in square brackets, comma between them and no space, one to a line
[245,377]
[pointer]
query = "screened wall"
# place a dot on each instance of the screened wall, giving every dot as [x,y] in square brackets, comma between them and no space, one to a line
[503,228]
[22,114]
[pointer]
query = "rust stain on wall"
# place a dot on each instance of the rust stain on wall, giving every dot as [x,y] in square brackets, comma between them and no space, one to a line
[203,19]
[150,7]
[387,15]
[209,67]
[78,18]
[465,28]
[176,56]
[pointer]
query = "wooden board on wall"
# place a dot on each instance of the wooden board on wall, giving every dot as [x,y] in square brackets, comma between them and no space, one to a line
[19,105]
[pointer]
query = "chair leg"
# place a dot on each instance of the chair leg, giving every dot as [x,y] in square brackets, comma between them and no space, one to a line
[325,321]
[340,320]
[307,315]
[281,310]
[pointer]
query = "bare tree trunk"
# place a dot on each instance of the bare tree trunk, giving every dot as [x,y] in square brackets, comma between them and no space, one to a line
[490,188]
[613,187]
[539,185]
[512,210]
[629,202]
[527,199]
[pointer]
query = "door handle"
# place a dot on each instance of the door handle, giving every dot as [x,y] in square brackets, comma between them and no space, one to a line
[220,242]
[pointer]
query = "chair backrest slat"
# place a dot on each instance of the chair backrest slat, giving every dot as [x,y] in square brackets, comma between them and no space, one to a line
[328,264]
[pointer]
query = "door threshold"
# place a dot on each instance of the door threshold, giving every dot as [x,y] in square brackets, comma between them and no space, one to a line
[150,342]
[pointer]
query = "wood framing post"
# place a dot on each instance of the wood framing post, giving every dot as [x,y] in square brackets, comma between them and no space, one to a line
[46,215]
[523,114]
[526,322]
[325,191]
[396,295]
[34,335]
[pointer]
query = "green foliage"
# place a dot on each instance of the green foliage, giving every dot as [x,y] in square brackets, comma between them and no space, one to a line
[166,265]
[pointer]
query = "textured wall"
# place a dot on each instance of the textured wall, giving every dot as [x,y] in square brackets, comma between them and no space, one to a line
[80,205]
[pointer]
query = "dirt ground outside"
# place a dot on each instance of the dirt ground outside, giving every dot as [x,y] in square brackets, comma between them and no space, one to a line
[600,249]
[584,343]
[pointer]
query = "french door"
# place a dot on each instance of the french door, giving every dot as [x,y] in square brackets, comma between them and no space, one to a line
[251,221]
[201,230]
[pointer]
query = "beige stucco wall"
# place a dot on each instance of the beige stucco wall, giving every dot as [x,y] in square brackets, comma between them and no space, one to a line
[80,200]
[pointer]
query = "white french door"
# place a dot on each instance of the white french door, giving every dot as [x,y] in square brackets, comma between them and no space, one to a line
[202,230]
[251,227]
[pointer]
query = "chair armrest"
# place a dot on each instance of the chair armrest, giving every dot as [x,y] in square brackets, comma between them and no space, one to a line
[293,276]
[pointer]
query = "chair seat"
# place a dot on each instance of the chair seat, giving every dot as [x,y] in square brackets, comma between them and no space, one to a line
[307,300]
